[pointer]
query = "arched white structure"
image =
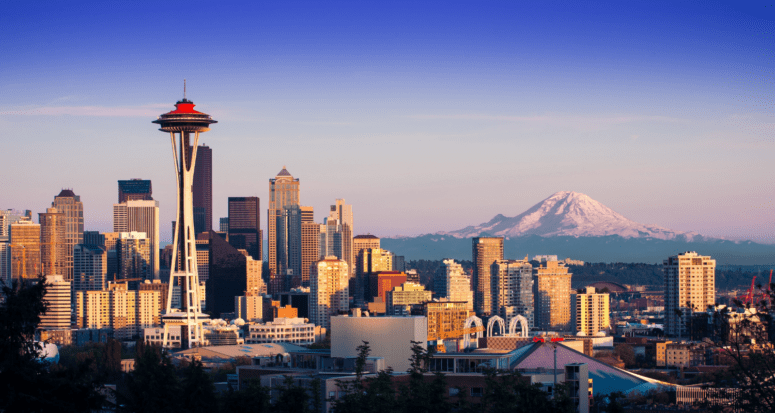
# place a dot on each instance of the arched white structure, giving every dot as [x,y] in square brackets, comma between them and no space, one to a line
[491,323]
[472,320]
[513,326]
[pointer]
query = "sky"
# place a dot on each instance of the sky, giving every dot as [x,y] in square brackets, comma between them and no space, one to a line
[425,116]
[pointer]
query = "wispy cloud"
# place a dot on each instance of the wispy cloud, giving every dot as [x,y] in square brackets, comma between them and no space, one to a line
[152,109]
[554,118]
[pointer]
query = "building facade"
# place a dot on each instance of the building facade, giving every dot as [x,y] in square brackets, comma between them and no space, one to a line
[452,283]
[690,286]
[486,251]
[134,190]
[282,330]
[141,216]
[58,301]
[53,247]
[401,297]
[25,250]
[551,292]
[329,290]
[90,267]
[245,225]
[310,243]
[69,204]
[133,254]
[512,290]
[283,192]
[589,312]
[202,189]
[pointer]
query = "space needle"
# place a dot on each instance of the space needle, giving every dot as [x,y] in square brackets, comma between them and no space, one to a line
[181,123]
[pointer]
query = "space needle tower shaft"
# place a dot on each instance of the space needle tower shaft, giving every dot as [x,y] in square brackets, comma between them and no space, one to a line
[181,124]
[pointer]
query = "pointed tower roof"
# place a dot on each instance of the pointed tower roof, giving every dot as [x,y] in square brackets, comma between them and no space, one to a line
[284,172]
[66,193]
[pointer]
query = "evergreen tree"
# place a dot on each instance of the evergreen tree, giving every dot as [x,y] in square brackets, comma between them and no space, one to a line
[198,389]
[27,383]
[153,386]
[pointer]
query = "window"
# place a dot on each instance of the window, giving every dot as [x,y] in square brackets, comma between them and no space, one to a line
[453,391]
[477,392]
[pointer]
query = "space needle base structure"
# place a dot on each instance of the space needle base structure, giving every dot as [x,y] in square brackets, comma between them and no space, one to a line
[181,124]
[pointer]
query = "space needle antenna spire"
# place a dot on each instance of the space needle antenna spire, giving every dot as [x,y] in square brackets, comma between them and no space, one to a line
[184,88]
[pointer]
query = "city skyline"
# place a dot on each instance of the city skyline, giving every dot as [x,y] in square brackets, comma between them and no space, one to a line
[507,102]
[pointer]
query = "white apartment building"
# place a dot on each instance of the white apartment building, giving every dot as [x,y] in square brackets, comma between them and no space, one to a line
[512,290]
[329,290]
[282,330]
[589,312]
[127,312]
[140,216]
[453,284]
[59,301]
[405,295]
[690,286]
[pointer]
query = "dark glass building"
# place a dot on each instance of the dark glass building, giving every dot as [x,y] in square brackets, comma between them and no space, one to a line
[135,190]
[203,190]
[245,225]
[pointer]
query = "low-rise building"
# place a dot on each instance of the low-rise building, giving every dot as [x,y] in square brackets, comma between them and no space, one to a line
[283,330]
[405,295]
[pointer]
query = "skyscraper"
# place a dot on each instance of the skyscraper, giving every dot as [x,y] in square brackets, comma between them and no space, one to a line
[452,283]
[53,249]
[283,192]
[551,292]
[337,236]
[486,250]
[58,301]
[7,217]
[90,267]
[690,285]
[140,216]
[134,190]
[245,225]
[512,290]
[329,292]
[133,251]
[289,247]
[589,312]
[25,250]
[202,190]
[69,204]
[310,243]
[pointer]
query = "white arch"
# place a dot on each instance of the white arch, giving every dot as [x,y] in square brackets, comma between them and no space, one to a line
[491,323]
[513,326]
[469,322]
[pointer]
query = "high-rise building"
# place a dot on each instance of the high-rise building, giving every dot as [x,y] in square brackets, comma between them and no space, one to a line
[342,214]
[69,204]
[111,239]
[329,290]
[58,303]
[283,192]
[372,262]
[486,250]
[162,288]
[690,286]
[25,250]
[362,243]
[289,249]
[140,216]
[53,249]
[90,267]
[202,189]
[310,243]
[512,290]
[5,262]
[245,225]
[404,295]
[254,284]
[224,224]
[7,217]
[452,283]
[133,253]
[382,282]
[93,238]
[551,292]
[134,190]
[589,312]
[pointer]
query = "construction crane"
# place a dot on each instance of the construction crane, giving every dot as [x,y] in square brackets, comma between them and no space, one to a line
[440,336]
[24,255]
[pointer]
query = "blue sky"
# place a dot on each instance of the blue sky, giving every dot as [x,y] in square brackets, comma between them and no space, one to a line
[426,117]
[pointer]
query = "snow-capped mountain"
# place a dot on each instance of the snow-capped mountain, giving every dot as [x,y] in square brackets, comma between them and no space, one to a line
[568,214]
